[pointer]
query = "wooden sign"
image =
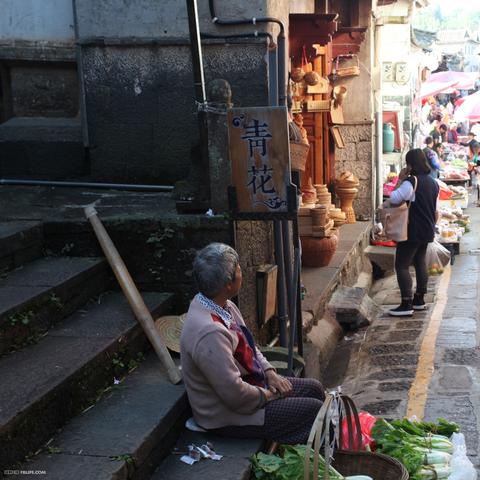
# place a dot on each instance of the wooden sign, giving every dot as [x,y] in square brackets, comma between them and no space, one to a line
[336,113]
[337,136]
[259,155]
[266,293]
[318,105]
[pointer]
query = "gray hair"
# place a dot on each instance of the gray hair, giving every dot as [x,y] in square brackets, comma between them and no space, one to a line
[214,266]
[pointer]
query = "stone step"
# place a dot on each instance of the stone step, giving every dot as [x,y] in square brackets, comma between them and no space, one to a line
[124,435]
[20,242]
[235,464]
[45,385]
[38,295]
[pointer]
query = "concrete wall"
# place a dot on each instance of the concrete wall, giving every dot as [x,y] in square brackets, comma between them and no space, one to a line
[36,20]
[168,18]
[141,105]
[140,98]
[358,154]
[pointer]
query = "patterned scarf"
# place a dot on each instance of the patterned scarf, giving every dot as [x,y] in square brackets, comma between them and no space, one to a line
[245,353]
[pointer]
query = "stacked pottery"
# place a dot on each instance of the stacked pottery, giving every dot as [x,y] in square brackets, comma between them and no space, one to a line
[318,252]
[346,188]
[338,217]
[324,197]
[309,194]
[319,216]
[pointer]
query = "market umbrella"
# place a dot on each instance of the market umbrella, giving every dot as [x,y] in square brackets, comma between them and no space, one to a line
[469,109]
[464,80]
[429,89]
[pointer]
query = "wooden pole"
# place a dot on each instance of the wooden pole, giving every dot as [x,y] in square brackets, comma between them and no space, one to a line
[133,295]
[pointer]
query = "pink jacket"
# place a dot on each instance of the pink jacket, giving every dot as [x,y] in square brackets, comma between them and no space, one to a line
[213,378]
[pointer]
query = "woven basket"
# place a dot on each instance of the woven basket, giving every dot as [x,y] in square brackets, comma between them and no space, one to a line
[298,155]
[348,462]
[375,465]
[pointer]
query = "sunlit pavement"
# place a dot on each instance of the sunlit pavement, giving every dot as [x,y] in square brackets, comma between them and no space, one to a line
[426,365]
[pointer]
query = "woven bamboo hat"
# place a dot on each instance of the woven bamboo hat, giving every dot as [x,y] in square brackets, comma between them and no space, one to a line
[170,329]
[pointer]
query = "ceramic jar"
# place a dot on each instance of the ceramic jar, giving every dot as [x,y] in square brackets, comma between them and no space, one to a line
[347,196]
[319,216]
[318,252]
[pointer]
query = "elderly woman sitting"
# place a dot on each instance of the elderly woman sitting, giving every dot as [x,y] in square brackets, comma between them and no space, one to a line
[232,388]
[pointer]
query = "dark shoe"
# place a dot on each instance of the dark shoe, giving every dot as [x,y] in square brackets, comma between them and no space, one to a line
[418,302]
[405,309]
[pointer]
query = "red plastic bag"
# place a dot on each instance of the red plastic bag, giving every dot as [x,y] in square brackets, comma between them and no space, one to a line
[367,421]
[445,193]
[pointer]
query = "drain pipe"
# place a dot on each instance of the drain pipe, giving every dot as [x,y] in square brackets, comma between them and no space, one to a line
[200,93]
[106,186]
[378,105]
[281,73]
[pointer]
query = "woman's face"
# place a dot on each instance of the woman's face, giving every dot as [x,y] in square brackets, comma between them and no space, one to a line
[235,285]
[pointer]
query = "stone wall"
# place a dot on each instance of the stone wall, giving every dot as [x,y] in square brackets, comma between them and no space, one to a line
[358,154]
[141,104]
[357,157]
[254,243]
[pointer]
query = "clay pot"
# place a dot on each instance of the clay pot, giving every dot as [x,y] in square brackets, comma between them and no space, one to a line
[321,188]
[324,198]
[339,93]
[319,216]
[347,180]
[347,196]
[297,74]
[311,78]
[318,252]
[336,231]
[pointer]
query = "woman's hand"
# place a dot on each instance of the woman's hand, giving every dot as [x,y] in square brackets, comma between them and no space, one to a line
[278,384]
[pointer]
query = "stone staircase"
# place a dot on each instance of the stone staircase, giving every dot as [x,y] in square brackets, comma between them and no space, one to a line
[82,397]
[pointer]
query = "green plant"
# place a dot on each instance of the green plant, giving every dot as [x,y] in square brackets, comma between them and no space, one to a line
[55,301]
[21,317]
[53,450]
[125,457]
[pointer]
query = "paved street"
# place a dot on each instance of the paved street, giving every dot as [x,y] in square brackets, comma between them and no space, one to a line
[427,365]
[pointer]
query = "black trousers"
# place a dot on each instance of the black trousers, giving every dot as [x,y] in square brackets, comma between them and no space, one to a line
[411,253]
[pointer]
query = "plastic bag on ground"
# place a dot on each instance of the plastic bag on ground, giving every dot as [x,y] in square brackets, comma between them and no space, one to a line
[437,258]
[367,421]
[462,467]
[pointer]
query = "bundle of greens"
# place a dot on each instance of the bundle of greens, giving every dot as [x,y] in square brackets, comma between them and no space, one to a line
[291,466]
[424,454]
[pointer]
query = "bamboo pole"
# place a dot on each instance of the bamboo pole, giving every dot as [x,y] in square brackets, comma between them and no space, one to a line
[133,295]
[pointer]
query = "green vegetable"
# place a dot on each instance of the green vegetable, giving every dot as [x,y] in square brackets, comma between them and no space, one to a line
[358,477]
[412,449]
[290,466]
[436,457]
[432,472]
[442,427]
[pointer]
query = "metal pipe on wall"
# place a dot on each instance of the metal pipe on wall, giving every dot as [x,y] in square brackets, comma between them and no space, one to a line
[106,186]
[200,92]
[378,105]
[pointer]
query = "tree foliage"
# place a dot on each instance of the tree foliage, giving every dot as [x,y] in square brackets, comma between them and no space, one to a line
[433,19]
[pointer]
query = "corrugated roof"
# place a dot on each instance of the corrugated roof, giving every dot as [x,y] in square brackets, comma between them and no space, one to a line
[458,35]
[423,38]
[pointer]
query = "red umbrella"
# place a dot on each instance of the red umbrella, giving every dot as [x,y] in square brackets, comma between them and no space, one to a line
[464,80]
[469,109]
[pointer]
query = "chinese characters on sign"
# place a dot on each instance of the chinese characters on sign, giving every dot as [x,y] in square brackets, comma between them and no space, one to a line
[259,156]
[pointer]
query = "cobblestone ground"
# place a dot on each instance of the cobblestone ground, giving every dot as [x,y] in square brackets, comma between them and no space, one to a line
[387,360]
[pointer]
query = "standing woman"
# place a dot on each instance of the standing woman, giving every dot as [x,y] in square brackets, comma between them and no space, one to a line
[421,190]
